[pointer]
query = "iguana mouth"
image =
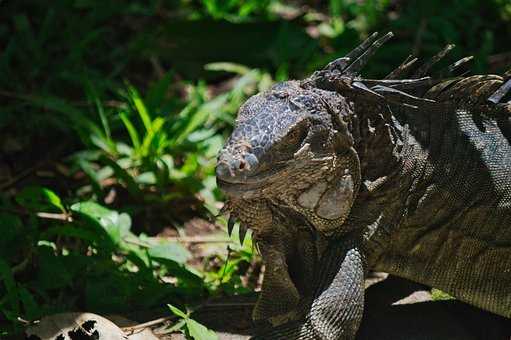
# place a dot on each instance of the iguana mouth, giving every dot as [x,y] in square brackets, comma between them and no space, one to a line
[238,189]
[255,182]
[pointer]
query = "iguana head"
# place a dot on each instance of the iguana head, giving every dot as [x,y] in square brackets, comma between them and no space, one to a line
[291,146]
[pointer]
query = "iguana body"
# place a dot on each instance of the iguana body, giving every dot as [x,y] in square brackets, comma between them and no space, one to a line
[337,175]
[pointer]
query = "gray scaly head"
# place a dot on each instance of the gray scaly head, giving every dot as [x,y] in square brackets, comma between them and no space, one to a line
[288,145]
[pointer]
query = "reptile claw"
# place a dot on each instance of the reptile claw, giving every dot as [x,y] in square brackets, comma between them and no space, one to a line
[242,232]
[230,225]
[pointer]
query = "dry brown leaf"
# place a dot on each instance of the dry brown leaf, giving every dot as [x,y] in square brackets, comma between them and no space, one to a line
[75,326]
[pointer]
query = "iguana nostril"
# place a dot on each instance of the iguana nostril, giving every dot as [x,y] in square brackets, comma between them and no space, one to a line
[233,166]
[252,161]
[242,165]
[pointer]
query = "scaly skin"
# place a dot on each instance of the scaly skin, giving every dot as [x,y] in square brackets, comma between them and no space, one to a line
[337,174]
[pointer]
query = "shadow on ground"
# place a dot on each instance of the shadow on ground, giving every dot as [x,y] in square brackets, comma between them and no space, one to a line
[399,309]
[395,309]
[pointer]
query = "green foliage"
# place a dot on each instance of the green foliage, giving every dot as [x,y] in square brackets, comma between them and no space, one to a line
[191,328]
[162,155]
[438,295]
[89,252]
[125,106]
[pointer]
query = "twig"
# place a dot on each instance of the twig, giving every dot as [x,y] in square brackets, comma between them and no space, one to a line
[131,329]
[52,216]
[182,239]
[136,242]
[66,217]
[231,304]
[27,322]
[199,239]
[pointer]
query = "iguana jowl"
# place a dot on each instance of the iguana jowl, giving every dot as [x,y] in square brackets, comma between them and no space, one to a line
[337,174]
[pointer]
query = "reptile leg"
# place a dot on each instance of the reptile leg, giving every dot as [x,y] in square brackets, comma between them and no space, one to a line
[279,294]
[336,309]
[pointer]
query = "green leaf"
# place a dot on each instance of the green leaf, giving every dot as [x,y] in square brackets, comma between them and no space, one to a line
[124,176]
[170,251]
[117,225]
[39,198]
[135,139]
[91,209]
[176,327]
[200,332]
[156,126]
[227,67]
[147,178]
[438,295]
[93,96]
[200,116]
[177,311]
[141,108]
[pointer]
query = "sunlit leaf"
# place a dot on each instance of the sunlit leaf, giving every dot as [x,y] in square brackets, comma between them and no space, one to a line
[39,199]
[135,139]
[177,311]
[117,225]
[141,108]
[227,67]
[170,251]
[200,332]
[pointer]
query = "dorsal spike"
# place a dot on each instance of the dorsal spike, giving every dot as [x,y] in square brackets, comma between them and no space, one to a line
[401,84]
[341,63]
[402,70]
[400,97]
[337,64]
[361,86]
[454,66]
[360,49]
[501,92]
[424,69]
[360,62]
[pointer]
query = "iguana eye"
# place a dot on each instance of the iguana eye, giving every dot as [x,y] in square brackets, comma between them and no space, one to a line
[295,136]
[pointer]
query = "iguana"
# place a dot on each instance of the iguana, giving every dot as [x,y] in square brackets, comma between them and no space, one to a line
[337,174]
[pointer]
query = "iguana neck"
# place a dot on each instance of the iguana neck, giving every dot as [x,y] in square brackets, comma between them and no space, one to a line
[386,150]
[379,141]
